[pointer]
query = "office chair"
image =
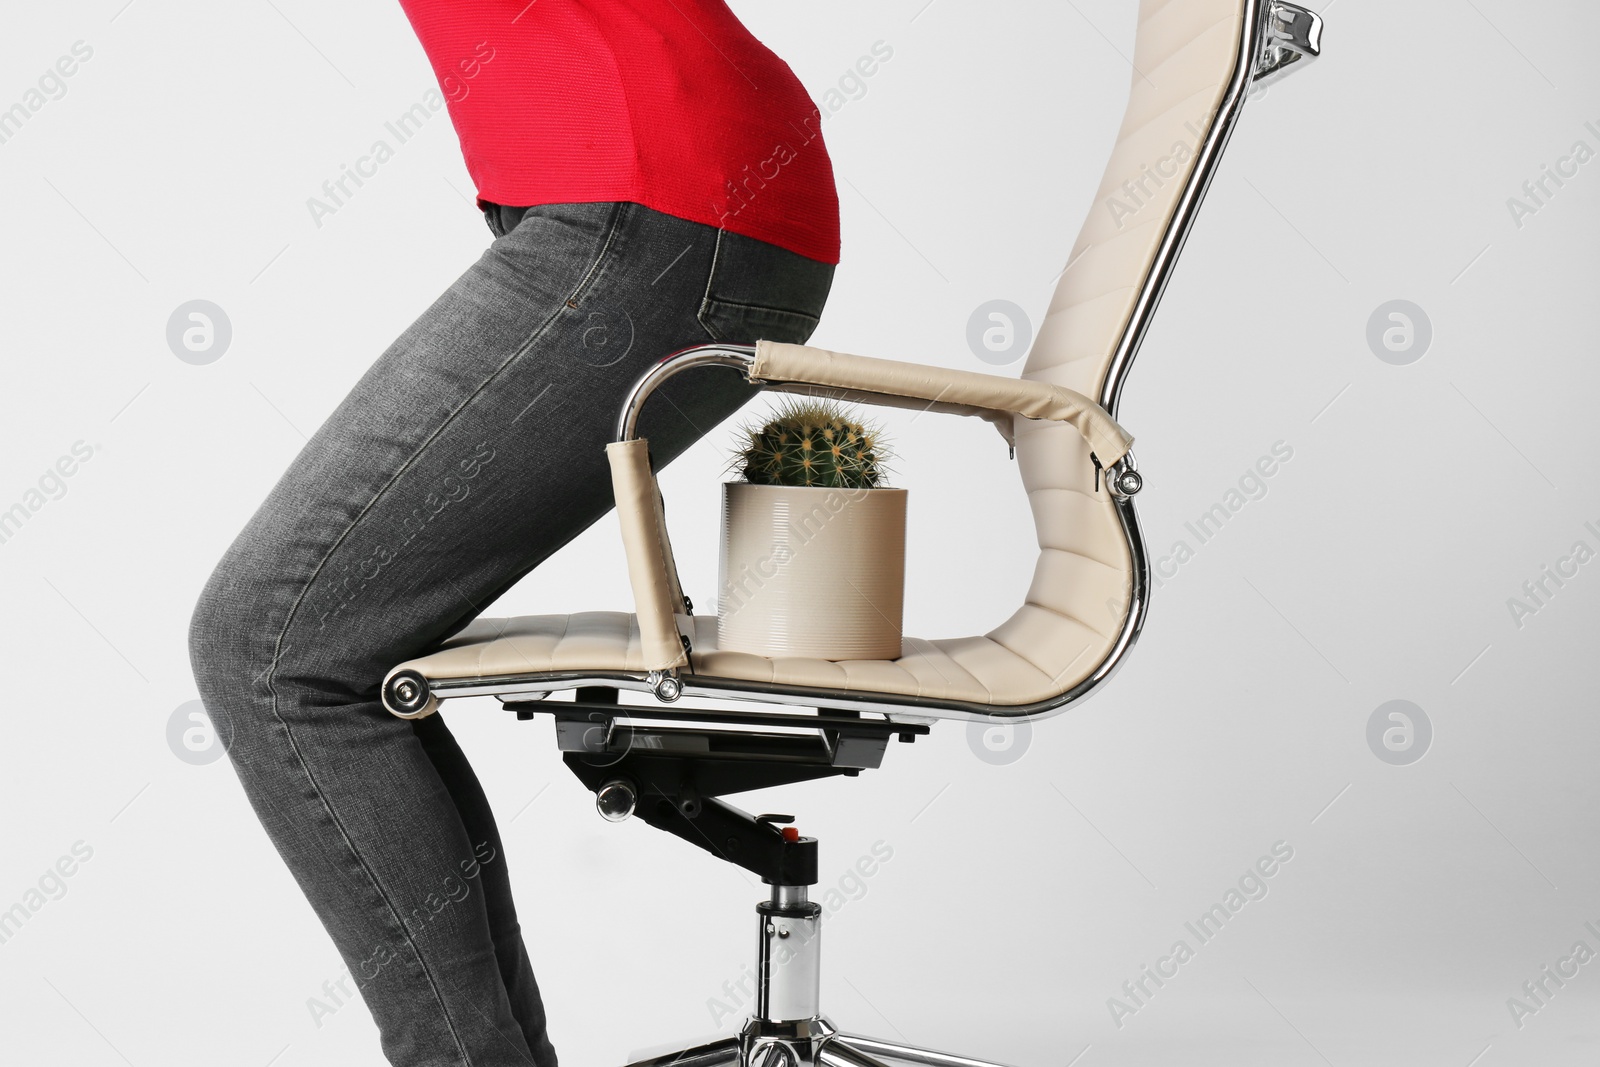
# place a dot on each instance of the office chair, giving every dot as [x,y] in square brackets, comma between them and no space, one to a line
[1195,61]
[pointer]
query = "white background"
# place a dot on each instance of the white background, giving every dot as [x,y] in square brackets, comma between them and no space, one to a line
[1020,897]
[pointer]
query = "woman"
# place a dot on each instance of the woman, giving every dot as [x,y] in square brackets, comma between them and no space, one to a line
[654,178]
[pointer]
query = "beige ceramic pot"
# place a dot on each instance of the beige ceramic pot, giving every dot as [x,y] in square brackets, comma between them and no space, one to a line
[809,571]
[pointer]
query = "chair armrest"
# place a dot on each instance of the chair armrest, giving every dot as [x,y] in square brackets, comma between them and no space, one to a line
[774,362]
[652,573]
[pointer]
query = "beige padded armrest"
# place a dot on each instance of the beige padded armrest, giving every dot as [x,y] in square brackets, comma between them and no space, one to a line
[650,567]
[1036,400]
[1003,421]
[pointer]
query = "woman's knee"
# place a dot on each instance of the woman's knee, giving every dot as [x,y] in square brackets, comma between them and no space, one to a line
[230,650]
[258,641]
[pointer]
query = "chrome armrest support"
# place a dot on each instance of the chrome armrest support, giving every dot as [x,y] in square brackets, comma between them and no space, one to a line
[739,357]
[1293,38]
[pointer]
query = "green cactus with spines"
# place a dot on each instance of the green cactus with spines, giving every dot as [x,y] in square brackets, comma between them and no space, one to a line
[809,442]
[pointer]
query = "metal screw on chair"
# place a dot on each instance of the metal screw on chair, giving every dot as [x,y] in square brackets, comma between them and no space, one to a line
[407,693]
[615,800]
[668,688]
[1129,482]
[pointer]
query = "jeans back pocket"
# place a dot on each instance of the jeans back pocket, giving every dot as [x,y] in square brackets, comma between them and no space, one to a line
[757,291]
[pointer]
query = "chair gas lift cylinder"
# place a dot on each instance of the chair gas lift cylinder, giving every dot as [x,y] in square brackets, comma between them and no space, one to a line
[804,719]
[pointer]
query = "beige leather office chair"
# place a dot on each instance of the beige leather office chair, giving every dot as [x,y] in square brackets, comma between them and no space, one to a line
[1195,61]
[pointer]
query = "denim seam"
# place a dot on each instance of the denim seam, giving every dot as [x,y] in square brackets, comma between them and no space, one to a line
[716,302]
[294,608]
[711,276]
[614,224]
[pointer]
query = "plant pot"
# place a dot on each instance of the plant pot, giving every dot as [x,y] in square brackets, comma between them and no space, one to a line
[810,571]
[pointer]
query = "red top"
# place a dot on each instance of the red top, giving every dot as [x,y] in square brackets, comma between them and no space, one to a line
[667,103]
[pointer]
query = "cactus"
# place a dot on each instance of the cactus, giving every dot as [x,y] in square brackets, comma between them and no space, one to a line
[808,442]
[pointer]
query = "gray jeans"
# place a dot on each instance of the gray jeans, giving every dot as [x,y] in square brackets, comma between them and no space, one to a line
[468,453]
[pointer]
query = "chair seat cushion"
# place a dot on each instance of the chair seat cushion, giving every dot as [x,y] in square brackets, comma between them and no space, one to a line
[980,669]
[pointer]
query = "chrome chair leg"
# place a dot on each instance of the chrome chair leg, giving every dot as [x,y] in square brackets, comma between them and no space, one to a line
[723,1053]
[841,1053]
[909,1053]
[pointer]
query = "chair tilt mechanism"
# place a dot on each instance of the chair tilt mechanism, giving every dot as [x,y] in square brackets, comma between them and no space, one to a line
[670,764]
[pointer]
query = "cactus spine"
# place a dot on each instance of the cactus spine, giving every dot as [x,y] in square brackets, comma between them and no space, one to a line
[812,443]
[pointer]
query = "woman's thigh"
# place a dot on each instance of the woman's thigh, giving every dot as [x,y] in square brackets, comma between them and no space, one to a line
[474,447]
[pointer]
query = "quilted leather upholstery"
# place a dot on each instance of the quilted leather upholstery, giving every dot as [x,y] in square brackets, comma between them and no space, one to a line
[971,668]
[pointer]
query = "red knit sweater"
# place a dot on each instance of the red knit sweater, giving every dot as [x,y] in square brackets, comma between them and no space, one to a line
[667,103]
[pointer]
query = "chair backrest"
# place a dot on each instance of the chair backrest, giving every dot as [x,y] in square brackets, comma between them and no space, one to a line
[1192,66]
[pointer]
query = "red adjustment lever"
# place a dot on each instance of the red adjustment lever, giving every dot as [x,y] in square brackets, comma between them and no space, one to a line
[791,834]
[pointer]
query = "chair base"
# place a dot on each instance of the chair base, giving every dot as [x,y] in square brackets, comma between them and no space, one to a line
[787,1027]
[810,1043]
